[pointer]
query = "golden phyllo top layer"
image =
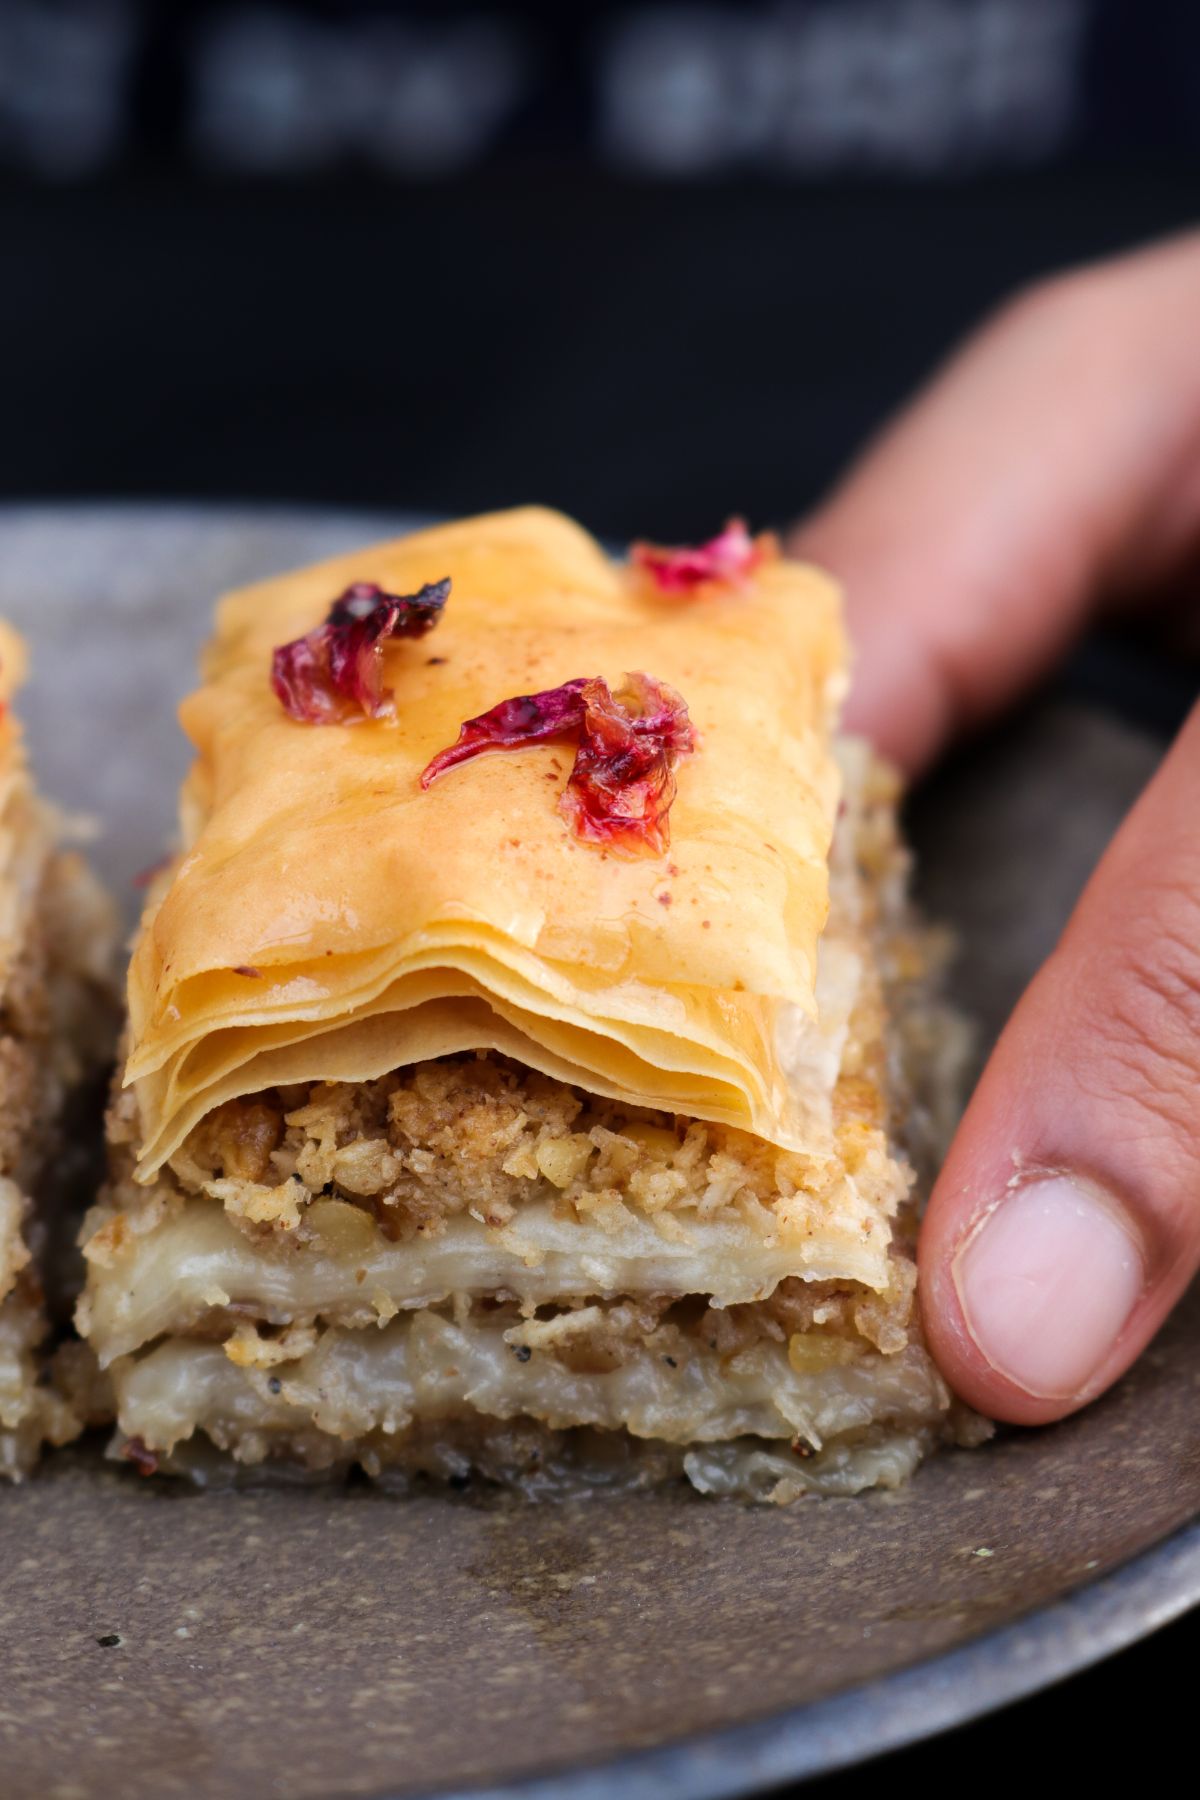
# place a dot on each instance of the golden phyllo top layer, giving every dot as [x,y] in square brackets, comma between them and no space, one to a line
[330,917]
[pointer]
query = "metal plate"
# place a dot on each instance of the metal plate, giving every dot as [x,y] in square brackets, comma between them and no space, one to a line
[312,1642]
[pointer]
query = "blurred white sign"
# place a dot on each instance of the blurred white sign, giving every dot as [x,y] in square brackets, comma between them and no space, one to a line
[63,75]
[793,87]
[276,92]
[914,85]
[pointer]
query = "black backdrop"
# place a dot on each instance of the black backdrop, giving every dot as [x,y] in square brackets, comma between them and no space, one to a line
[649,357]
[305,252]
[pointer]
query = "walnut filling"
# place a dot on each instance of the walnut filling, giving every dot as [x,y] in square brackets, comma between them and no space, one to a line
[739,1406]
[818,1324]
[479,1135]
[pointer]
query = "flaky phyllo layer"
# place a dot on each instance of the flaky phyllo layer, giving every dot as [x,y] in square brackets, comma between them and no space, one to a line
[452,1141]
[332,918]
[56,938]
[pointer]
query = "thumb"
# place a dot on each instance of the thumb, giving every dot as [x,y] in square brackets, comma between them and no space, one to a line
[1066,1222]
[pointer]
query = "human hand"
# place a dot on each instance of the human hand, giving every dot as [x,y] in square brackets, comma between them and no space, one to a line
[1051,473]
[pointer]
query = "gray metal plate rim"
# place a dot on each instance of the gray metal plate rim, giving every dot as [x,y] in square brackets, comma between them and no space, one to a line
[1011,1663]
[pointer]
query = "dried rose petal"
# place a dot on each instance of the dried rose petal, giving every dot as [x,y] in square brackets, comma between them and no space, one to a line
[527,719]
[335,673]
[729,557]
[622,782]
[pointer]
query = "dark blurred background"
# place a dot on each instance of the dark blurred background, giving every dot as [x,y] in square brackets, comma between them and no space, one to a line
[647,262]
[651,263]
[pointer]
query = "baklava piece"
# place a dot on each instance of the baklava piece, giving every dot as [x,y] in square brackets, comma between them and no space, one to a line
[531,1049]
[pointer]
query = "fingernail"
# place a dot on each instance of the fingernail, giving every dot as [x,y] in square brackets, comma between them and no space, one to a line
[1046,1284]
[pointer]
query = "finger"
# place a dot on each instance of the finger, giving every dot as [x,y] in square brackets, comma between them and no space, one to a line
[1066,1221]
[1053,465]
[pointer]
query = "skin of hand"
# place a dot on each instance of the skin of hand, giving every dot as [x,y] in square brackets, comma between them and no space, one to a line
[1048,474]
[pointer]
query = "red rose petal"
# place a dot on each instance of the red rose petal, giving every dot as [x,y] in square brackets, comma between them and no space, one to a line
[526,719]
[622,783]
[728,558]
[334,674]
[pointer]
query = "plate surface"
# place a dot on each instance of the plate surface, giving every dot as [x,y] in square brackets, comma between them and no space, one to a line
[313,1642]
